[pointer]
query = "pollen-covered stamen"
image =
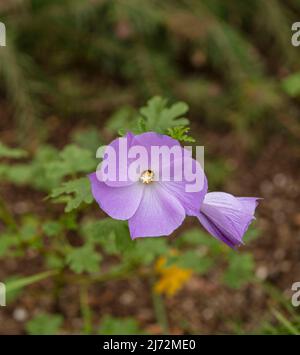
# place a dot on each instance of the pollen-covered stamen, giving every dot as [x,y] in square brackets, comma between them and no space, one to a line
[147,177]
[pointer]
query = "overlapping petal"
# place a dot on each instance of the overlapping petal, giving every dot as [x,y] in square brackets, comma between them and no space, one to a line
[117,202]
[150,139]
[190,200]
[227,217]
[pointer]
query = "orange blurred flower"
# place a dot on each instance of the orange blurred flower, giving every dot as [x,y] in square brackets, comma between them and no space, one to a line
[171,278]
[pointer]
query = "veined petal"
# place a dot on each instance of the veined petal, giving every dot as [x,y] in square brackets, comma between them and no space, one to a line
[249,203]
[149,139]
[117,202]
[118,163]
[159,214]
[190,200]
[227,217]
[161,149]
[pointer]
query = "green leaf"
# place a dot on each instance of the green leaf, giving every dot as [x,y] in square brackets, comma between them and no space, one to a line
[71,160]
[13,153]
[252,233]
[39,168]
[69,221]
[180,133]
[44,324]
[51,228]
[84,259]
[73,193]
[240,270]
[197,237]
[192,260]
[155,116]
[54,261]
[88,139]
[18,174]
[291,84]
[159,118]
[119,326]
[29,228]
[34,173]
[218,171]
[146,250]
[111,234]
[114,238]
[123,119]
[6,242]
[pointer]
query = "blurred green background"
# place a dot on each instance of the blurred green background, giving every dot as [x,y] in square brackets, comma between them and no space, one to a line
[74,73]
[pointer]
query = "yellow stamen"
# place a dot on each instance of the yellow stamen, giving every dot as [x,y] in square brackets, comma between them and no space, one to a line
[147,177]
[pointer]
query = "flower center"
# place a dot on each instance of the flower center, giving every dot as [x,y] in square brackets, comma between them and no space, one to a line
[147,177]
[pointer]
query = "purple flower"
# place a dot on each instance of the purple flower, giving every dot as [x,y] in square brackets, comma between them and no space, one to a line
[226,217]
[155,205]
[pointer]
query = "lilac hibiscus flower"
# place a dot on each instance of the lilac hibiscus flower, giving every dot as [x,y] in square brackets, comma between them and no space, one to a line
[155,205]
[226,217]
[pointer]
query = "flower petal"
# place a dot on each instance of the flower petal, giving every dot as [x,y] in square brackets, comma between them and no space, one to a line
[249,204]
[159,214]
[117,202]
[190,200]
[227,217]
[149,139]
[118,163]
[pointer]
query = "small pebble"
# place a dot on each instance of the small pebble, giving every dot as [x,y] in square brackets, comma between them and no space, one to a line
[262,272]
[20,314]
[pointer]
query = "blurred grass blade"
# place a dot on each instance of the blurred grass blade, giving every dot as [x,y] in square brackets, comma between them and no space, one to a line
[285,322]
[28,280]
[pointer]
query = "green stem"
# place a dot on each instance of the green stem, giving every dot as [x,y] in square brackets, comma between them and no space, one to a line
[86,310]
[160,311]
[277,295]
[6,215]
[117,273]
[285,322]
